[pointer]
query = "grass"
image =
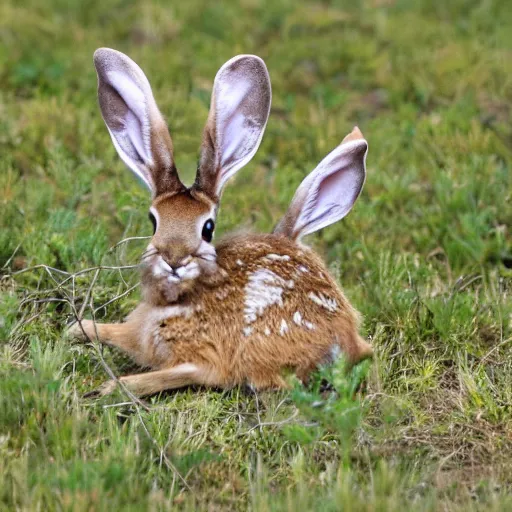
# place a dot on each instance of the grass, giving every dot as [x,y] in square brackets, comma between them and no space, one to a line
[426,256]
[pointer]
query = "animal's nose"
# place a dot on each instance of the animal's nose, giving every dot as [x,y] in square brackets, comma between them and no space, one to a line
[176,262]
[170,262]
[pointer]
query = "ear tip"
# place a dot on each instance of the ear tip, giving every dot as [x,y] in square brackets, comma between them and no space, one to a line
[247,57]
[255,59]
[354,135]
[101,54]
[251,62]
[109,57]
[102,57]
[356,132]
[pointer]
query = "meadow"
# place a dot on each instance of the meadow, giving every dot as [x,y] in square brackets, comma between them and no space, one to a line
[425,256]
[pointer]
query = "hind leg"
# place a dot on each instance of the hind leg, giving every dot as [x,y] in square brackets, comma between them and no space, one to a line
[186,374]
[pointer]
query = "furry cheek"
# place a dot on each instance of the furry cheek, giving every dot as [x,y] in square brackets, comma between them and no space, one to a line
[207,252]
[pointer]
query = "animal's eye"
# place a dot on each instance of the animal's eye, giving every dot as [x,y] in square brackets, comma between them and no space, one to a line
[153,221]
[208,228]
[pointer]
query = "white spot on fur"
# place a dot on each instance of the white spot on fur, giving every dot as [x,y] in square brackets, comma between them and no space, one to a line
[264,289]
[267,331]
[335,352]
[283,328]
[277,257]
[247,331]
[240,263]
[250,318]
[301,322]
[187,367]
[323,301]
[222,294]
[160,314]
[303,269]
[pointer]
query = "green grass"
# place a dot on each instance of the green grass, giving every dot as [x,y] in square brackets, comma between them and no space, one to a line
[425,255]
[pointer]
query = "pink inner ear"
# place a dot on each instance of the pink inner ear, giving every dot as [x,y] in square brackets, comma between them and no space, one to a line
[337,193]
[237,137]
[233,139]
[134,130]
[332,194]
[239,111]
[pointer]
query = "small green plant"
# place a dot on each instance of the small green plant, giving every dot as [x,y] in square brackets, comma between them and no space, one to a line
[331,403]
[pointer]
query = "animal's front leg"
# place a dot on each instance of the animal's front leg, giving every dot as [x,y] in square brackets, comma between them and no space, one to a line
[124,336]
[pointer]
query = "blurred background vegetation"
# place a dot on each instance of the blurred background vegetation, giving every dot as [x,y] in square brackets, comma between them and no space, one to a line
[425,255]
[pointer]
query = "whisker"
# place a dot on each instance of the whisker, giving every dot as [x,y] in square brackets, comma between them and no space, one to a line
[203,258]
[147,256]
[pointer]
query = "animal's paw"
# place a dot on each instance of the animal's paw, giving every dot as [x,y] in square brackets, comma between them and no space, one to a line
[107,388]
[80,330]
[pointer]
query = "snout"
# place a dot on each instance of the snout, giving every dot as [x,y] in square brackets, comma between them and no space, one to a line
[175,267]
[184,269]
[175,259]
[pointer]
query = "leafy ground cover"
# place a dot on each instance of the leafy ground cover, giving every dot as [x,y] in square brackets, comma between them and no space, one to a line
[426,256]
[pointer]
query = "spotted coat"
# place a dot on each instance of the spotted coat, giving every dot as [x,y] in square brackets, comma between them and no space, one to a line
[278,308]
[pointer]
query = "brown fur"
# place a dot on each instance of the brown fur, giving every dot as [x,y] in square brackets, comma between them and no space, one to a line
[177,236]
[209,329]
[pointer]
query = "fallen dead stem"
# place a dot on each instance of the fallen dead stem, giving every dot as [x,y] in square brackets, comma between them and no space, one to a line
[79,301]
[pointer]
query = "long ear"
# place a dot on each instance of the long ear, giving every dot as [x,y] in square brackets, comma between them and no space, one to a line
[239,111]
[137,128]
[328,193]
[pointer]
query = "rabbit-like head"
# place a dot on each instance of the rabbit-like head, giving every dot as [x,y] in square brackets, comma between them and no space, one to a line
[183,218]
